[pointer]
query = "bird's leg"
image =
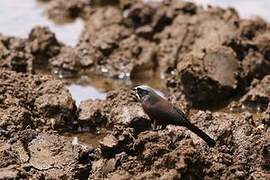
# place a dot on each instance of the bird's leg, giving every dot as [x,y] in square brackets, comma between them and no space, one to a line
[154,126]
[159,127]
[163,126]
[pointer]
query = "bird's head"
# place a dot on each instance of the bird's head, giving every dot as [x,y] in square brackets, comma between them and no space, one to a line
[145,93]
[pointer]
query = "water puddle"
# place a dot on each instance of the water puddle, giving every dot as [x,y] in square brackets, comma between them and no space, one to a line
[86,138]
[18,17]
[81,92]
[90,86]
[246,9]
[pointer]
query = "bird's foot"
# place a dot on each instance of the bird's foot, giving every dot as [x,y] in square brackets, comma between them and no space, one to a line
[156,127]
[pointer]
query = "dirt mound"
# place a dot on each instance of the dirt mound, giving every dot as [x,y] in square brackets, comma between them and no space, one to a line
[33,102]
[26,55]
[206,57]
[43,155]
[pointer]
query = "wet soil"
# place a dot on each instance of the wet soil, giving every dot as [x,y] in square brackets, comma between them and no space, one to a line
[212,64]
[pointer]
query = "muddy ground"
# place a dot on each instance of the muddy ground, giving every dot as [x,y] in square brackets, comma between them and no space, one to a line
[213,65]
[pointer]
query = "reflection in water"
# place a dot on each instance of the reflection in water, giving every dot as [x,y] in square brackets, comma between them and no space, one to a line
[86,138]
[80,92]
[245,8]
[91,86]
[18,17]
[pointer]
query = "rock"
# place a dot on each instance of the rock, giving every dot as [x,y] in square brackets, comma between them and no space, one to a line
[25,55]
[3,50]
[46,154]
[18,116]
[34,101]
[108,145]
[217,69]
[258,96]
[23,155]
[90,113]
[55,103]
[121,63]
[20,61]
[139,15]
[97,165]
[54,157]
[7,156]
[259,175]
[109,141]
[67,60]
[109,167]
[262,43]
[89,56]
[255,66]
[124,112]
[130,116]
[61,10]
[43,44]
[249,29]
[266,116]
[71,60]
[221,33]
[9,172]
[120,177]
[15,55]
[266,156]
[100,19]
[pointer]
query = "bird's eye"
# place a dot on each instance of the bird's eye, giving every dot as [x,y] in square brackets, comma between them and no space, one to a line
[142,92]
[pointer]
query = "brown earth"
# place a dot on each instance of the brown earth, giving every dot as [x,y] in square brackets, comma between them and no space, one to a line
[210,60]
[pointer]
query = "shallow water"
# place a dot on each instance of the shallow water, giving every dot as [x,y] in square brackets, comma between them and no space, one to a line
[97,89]
[80,92]
[85,138]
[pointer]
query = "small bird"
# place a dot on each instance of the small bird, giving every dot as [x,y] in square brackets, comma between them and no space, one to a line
[162,112]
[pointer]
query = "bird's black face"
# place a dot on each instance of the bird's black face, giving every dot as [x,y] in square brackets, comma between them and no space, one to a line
[141,92]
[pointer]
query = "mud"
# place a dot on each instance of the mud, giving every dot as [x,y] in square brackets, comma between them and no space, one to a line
[211,63]
[258,95]
[34,102]
[26,55]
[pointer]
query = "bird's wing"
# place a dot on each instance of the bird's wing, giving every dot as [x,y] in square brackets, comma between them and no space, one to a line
[181,118]
[166,112]
[181,113]
[169,114]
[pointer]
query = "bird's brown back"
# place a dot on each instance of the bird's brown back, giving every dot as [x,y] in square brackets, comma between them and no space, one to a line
[164,112]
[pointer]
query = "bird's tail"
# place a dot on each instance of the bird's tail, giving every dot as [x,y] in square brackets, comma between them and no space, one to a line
[211,142]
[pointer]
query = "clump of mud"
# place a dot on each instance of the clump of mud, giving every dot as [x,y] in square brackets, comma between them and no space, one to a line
[26,55]
[208,58]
